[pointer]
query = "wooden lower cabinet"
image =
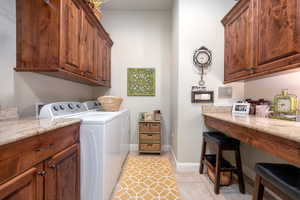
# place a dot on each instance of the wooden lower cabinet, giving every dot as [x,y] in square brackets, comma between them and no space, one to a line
[63,180]
[26,186]
[51,172]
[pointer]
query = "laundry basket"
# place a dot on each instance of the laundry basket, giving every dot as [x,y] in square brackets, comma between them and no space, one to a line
[110,103]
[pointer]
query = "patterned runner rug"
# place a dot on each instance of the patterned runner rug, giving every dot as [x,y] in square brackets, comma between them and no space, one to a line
[147,178]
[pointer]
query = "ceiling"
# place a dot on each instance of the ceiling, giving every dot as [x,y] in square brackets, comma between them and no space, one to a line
[137,4]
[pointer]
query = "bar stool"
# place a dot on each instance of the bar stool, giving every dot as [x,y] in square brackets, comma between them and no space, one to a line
[222,143]
[282,179]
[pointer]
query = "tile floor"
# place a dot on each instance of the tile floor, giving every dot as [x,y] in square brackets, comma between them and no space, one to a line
[193,186]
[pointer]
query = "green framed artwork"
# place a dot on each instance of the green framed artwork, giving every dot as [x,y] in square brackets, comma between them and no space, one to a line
[141,82]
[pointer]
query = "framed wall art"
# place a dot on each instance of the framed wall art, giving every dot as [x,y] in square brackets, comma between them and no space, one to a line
[200,95]
[141,82]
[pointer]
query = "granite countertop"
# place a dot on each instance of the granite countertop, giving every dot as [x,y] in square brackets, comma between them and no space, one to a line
[281,128]
[19,129]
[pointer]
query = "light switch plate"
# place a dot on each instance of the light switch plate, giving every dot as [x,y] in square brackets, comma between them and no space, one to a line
[225,92]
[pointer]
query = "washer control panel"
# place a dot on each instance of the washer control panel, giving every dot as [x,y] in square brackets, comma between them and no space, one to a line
[61,108]
[92,105]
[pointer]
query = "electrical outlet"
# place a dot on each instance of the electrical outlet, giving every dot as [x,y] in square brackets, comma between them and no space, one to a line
[38,107]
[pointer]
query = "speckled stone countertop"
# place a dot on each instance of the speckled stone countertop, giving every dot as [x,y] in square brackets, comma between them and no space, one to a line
[19,129]
[281,128]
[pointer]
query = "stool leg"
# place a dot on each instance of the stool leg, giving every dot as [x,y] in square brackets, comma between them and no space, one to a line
[258,193]
[218,170]
[202,157]
[239,170]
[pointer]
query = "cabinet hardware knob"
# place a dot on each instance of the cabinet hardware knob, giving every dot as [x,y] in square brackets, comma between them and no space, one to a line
[52,166]
[47,1]
[42,173]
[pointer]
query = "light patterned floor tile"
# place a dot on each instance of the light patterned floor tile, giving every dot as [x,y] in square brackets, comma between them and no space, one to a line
[147,178]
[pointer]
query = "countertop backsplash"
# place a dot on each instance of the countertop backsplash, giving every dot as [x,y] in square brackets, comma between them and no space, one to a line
[9,113]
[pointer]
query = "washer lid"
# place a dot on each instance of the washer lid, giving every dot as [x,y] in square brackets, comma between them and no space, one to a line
[97,118]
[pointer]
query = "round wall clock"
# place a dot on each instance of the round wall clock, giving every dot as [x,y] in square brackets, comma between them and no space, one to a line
[202,57]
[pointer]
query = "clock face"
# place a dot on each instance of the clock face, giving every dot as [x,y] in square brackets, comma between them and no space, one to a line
[203,58]
[284,105]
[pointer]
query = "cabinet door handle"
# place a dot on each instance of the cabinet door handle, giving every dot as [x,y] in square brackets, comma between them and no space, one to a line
[251,69]
[38,150]
[44,148]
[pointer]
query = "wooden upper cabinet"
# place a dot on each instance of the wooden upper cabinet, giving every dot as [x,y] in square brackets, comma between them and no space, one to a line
[71,29]
[261,37]
[37,35]
[59,39]
[28,185]
[63,175]
[88,47]
[239,41]
[278,34]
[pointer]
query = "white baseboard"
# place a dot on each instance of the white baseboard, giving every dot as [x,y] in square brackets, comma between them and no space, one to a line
[185,166]
[135,147]
[180,166]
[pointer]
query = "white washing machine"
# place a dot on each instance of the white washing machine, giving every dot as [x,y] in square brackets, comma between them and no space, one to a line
[104,145]
[94,107]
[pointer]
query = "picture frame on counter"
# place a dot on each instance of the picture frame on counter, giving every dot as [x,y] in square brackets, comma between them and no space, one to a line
[241,108]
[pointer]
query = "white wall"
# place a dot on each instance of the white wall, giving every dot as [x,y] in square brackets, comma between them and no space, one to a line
[267,88]
[25,89]
[141,39]
[199,25]
[174,78]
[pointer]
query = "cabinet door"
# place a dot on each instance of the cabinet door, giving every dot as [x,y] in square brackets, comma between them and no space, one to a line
[278,33]
[106,73]
[99,57]
[63,175]
[88,47]
[26,186]
[238,42]
[70,30]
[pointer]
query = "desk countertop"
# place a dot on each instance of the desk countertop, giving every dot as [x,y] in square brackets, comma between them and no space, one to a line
[281,128]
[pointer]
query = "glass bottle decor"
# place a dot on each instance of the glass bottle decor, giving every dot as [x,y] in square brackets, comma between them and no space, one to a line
[286,103]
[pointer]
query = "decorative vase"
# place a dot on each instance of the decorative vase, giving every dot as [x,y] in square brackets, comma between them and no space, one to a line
[95,8]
